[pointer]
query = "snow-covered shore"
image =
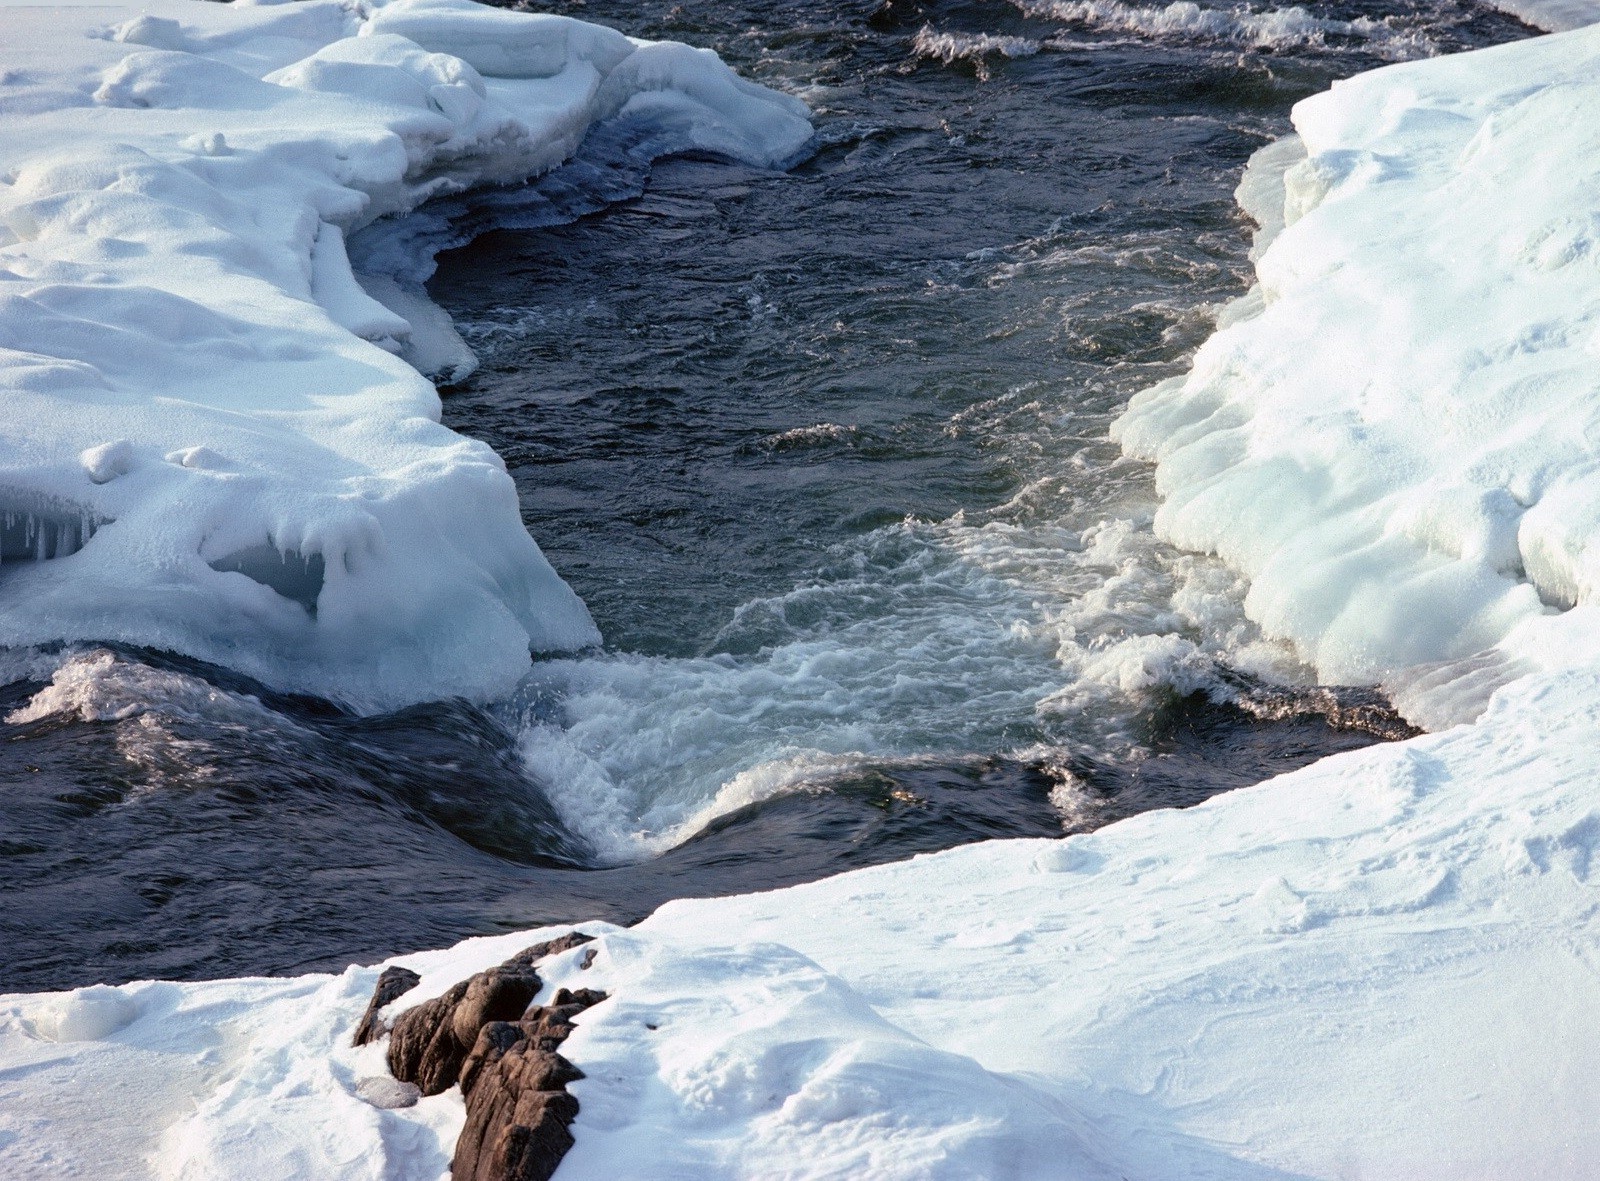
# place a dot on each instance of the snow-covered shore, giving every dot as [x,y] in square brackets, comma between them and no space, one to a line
[213,440]
[1381,966]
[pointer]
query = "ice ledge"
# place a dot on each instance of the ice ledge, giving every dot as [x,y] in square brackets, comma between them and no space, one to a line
[210,425]
[1393,434]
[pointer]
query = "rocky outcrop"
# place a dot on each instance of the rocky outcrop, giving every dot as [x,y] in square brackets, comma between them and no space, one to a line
[392,983]
[519,1113]
[482,1036]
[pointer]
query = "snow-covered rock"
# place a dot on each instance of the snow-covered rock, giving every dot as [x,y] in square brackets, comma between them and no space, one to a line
[212,439]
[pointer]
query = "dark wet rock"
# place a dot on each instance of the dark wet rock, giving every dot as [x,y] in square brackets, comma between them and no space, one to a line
[430,1044]
[494,1039]
[561,943]
[423,1048]
[387,1093]
[392,982]
[519,1117]
[499,994]
[587,961]
[482,1035]
[583,997]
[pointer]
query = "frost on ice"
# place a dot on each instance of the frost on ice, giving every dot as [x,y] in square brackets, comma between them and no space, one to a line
[216,440]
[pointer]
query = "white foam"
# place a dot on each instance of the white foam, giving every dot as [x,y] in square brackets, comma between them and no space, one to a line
[942,639]
[1275,27]
[1137,1002]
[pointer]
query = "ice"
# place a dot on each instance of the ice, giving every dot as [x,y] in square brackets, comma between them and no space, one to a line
[1387,437]
[217,438]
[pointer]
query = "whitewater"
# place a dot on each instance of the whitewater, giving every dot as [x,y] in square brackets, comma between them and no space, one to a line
[1381,965]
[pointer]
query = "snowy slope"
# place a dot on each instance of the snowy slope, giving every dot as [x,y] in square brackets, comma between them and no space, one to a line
[1554,16]
[211,440]
[1393,438]
[1383,966]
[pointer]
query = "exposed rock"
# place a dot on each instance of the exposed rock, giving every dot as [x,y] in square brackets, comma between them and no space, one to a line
[482,1035]
[522,1133]
[392,983]
[387,1093]
[519,1113]
[494,1039]
[532,955]
[499,994]
[422,1043]
[582,997]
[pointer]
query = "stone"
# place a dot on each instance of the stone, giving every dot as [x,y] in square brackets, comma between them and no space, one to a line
[582,997]
[498,994]
[561,943]
[423,1048]
[494,1039]
[392,983]
[518,1118]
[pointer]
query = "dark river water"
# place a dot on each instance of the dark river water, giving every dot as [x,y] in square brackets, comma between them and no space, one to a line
[825,451]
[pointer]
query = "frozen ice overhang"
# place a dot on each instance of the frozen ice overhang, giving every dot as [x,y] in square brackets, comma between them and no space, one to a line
[213,441]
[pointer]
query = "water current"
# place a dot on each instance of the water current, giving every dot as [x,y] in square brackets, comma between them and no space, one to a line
[825,451]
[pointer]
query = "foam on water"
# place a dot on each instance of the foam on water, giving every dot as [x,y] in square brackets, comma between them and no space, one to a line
[1292,27]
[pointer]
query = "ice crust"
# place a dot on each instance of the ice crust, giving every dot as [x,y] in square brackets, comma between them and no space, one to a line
[215,440]
[1391,436]
[1381,966]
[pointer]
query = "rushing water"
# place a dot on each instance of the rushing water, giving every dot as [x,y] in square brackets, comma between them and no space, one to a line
[825,452]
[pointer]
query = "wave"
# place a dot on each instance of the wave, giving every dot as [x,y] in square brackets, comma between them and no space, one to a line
[1277,28]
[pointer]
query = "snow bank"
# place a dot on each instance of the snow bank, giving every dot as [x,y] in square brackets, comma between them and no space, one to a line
[1381,966]
[1554,16]
[1392,436]
[213,440]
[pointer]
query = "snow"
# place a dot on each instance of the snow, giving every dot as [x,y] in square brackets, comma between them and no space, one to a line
[216,440]
[1554,16]
[1389,438]
[1380,966]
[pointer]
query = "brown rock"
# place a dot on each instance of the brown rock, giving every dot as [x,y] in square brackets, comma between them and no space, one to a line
[582,997]
[499,994]
[556,946]
[494,1039]
[518,1118]
[422,1044]
[392,982]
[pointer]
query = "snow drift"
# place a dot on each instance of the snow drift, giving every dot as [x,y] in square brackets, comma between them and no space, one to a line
[213,441]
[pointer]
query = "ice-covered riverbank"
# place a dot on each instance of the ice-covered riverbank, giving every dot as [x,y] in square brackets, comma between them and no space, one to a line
[179,183]
[1381,966]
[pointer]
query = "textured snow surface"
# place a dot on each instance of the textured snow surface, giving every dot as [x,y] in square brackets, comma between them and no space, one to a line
[214,438]
[1394,435]
[1383,966]
[1555,16]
